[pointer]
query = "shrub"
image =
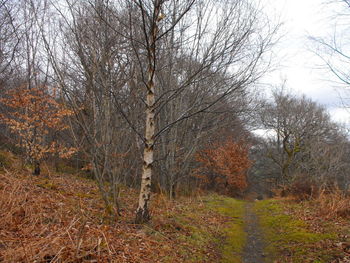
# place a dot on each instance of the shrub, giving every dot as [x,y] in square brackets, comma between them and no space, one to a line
[223,166]
[301,189]
[65,167]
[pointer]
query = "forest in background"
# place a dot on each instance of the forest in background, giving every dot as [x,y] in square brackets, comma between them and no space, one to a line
[160,96]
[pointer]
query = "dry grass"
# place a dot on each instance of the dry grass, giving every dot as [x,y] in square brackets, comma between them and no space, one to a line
[333,204]
[61,218]
[328,214]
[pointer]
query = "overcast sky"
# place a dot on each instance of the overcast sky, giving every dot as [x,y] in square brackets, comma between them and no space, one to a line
[297,62]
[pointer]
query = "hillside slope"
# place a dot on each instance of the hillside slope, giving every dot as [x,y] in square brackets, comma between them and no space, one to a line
[61,218]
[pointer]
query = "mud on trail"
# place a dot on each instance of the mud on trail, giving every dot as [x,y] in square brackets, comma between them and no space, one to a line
[254,249]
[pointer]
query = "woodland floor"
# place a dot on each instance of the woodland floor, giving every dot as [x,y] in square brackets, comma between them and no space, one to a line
[59,217]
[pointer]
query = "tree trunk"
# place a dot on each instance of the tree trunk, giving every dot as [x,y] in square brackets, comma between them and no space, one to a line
[36,168]
[142,212]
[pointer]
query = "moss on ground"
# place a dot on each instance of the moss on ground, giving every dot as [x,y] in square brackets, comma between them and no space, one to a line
[208,231]
[234,234]
[187,229]
[47,184]
[289,239]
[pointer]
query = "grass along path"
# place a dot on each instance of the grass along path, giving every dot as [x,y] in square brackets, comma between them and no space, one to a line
[232,235]
[270,231]
[292,240]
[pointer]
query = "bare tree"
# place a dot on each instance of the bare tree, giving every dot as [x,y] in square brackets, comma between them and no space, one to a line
[325,160]
[333,50]
[300,130]
[9,36]
[93,73]
[168,60]
[191,64]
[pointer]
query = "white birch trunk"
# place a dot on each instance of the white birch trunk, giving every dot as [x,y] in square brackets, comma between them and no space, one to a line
[142,212]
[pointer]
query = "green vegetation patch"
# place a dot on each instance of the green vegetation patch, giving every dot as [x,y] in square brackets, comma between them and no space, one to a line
[233,232]
[289,239]
[191,233]
[208,230]
[47,184]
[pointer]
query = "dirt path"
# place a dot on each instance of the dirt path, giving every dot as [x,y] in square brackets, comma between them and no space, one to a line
[253,251]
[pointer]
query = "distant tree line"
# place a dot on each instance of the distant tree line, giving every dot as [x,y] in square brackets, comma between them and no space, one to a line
[302,146]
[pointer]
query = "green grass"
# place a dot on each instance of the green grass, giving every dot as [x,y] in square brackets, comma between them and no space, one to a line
[185,231]
[234,235]
[214,225]
[289,238]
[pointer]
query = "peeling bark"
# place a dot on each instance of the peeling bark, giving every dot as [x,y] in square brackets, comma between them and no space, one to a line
[142,212]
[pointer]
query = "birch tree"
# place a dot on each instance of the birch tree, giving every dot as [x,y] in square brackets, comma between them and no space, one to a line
[180,54]
[178,63]
[190,56]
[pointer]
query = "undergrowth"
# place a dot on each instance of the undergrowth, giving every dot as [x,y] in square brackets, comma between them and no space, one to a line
[190,225]
[61,218]
[5,160]
[333,204]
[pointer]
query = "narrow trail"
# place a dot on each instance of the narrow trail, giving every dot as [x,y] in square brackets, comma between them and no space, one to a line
[253,251]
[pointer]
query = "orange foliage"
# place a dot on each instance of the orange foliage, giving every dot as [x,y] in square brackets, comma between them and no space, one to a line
[225,165]
[33,114]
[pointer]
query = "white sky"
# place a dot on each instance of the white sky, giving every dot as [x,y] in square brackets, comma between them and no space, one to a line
[297,62]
